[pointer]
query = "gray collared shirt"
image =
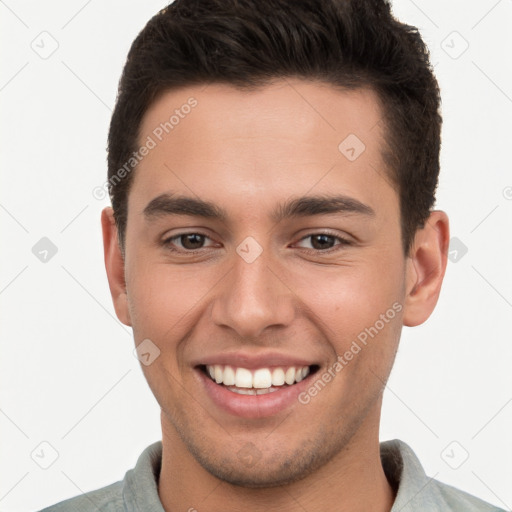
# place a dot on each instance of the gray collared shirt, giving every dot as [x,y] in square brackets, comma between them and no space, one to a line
[138,491]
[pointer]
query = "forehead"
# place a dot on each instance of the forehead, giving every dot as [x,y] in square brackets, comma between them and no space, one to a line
[279,139]
[290,108]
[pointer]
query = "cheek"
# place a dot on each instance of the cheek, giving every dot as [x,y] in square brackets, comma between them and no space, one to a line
[361,323]
[163,298]
[163,302]
[349,298]
[359,311]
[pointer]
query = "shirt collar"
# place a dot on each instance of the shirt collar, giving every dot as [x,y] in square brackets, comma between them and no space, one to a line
[414,489]
[140,486]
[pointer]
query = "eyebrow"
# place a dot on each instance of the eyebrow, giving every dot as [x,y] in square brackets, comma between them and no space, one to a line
[172,204]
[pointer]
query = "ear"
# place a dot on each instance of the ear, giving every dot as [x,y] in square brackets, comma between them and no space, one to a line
[425,269]
[114,264]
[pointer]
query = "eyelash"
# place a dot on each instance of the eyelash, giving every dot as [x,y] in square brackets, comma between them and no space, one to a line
[343,242]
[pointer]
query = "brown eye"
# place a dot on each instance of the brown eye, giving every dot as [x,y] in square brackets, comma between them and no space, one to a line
[192,240]
[322,241]
[185,242]
[325,242]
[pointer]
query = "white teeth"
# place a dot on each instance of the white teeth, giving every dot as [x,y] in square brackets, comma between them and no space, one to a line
[278,377]
[243,391]
[301,373]
[218,374]
[229,376]
[265,391]
[289,377]
[251,391]
[263,380]
[243,378]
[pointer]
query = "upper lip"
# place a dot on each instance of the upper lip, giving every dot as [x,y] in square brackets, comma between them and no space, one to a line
[240,359]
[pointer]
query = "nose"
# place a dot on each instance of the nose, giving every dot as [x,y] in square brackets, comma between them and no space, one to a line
[253,297]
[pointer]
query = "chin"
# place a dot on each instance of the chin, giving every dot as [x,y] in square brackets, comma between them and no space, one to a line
[269,470]
[240,476]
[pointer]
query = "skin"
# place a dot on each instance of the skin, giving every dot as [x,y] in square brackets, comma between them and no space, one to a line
[246,152]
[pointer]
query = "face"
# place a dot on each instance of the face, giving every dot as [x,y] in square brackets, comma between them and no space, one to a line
[264,262]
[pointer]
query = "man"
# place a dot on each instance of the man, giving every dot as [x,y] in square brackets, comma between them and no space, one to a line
[272,170]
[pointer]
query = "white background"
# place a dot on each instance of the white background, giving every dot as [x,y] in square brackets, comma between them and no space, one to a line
[67,369]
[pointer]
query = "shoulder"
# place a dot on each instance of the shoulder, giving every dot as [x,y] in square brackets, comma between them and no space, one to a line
[416,491]
[463,501]
[137,491]
[106,499]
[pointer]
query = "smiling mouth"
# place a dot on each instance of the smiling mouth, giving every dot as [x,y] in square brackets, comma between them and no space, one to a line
[259,381]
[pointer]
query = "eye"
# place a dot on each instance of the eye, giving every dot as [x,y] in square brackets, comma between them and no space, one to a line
[193,241]
[186,242]
[325,242]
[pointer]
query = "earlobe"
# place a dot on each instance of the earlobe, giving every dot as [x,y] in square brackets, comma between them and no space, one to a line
[425,269]
[114,265]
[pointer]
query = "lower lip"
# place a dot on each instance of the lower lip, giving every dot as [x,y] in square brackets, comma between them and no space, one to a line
[252,406]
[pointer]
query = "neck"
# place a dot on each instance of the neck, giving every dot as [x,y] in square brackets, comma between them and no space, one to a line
[353,479]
